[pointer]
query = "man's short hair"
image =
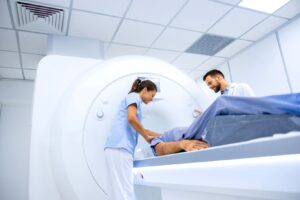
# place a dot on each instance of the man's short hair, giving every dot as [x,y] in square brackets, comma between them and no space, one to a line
[213,72]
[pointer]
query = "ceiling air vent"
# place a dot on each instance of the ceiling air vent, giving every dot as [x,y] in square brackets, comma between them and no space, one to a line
[47,19]
[209,44]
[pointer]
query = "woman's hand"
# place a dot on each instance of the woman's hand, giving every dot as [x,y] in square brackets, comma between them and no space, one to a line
[151,133]
[149,138]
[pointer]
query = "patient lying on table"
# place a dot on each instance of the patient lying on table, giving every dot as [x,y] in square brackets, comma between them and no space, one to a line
[193,137]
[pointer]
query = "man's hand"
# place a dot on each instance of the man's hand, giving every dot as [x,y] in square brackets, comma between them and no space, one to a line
[192,145]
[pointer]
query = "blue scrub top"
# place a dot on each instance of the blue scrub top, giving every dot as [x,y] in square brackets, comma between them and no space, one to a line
[122,134]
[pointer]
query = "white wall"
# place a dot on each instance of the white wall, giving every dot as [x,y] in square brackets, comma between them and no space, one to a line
[225,70]
[289,38]
[271,66]
[15,126]
[261,66]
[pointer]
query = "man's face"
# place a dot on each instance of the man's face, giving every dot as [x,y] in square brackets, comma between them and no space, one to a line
[213,83]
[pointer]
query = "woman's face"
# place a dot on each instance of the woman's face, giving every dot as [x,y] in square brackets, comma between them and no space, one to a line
[147,96]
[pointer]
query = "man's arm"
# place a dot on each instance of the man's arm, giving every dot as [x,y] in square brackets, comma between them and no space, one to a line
[164,148]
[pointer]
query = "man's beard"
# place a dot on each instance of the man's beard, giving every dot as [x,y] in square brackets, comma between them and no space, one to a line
[218,88]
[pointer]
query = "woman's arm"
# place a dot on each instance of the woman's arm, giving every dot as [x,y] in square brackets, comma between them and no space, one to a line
[134,122]
[151,133]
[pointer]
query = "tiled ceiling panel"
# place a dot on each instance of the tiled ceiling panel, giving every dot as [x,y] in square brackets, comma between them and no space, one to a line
[263,28]
[233,48]
[33,42]
[290,10]
[11,73]
[163,29]
[200,15]
[9,59]
[8,40]
[5,20]
[29,74]
[233,2]
[176,39]
[154,11]
[212,62]
[167,56]
[189,60]
[137,33]
[197,74]
[109,7]
[237,22]
[93,26]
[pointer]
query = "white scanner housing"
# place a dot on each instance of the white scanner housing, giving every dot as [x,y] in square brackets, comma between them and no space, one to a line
[75,102]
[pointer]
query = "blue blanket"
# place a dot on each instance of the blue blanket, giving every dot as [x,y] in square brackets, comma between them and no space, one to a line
[233,105]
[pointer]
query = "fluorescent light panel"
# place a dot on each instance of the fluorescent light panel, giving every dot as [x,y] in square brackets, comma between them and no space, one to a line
[268,6]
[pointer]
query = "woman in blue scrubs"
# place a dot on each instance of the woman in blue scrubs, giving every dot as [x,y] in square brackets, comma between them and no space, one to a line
[122,140]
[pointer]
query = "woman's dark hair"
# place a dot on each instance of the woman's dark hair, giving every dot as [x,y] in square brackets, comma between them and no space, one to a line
[138,85]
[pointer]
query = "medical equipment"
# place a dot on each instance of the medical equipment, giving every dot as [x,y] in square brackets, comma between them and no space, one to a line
[75,102]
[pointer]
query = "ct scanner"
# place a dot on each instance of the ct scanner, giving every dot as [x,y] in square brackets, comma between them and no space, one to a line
[75,102]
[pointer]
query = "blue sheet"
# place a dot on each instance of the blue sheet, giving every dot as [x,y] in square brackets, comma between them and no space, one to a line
[233,105]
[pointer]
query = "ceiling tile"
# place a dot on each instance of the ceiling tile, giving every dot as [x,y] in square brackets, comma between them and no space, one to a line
[237,22]
[29,74]
[233,48]
[65,3]
[109,7]
[151,10]
[11,73]
[83,25]
[176,39]
[232,2]
[8,40]
[33,42]
[9,59]
[197,74]
[189,60]
[30,61]
[213,62]
[264,28]
[122,50]
[290,10]
[186,71]
[137,33]
[200,15]
[5,20]
[167,56]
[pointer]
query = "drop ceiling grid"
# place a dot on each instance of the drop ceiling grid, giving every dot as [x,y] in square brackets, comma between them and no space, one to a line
[73,6]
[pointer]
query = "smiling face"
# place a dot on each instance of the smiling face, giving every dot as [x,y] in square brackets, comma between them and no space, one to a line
[213,82]
[147,96]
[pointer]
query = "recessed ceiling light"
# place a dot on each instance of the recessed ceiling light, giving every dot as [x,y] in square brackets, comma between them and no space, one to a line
[268,6]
